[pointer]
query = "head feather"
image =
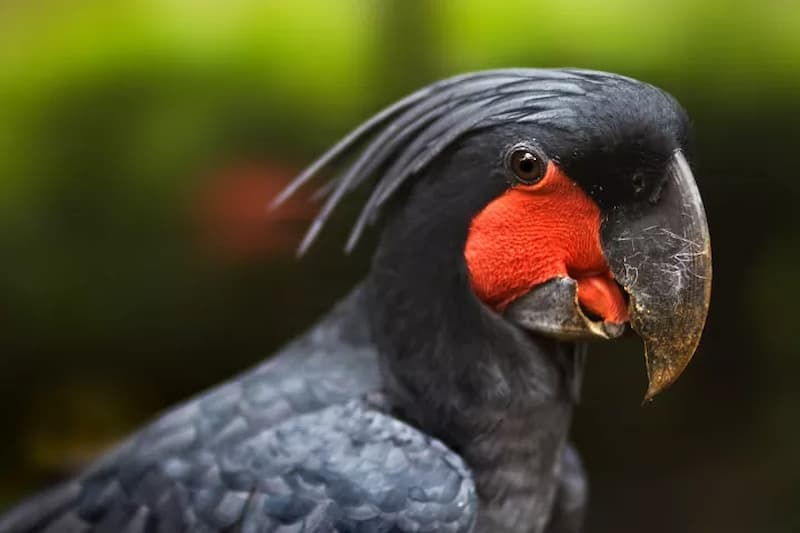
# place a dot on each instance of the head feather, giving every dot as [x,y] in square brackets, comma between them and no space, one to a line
[398,142]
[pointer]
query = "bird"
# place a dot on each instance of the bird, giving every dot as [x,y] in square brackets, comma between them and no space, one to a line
[522,214]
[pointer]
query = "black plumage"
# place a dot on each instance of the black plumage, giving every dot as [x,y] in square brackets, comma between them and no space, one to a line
[567,104]
[411,406]
[296,444]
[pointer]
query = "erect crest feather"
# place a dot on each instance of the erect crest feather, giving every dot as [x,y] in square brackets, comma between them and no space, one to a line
[402,139]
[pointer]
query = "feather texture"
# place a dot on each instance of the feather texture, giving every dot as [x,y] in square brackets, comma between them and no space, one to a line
[292,445]
[401,140]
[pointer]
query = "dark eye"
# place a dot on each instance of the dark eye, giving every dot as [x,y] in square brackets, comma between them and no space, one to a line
[527,166]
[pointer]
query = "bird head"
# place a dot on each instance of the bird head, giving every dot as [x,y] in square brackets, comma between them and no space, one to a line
[567,193]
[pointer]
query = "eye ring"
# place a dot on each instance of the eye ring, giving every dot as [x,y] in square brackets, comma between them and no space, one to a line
[526,165]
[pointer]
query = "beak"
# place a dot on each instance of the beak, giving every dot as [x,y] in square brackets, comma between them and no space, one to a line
[552,309]
[660,252]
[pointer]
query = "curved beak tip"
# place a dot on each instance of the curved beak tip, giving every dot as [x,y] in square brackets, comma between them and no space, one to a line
[670,343]
[661,379]
[661,256]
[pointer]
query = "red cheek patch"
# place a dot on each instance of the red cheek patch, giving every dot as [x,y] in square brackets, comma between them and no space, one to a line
[534,233]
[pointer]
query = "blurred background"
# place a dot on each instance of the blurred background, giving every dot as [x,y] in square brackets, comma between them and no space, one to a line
[140,142]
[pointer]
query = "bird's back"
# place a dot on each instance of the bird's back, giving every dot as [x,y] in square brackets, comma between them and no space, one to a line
[292,445]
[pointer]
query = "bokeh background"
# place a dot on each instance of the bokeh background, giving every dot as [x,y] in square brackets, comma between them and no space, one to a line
[140,142]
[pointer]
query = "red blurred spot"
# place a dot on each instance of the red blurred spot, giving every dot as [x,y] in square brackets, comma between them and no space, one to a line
[235,219]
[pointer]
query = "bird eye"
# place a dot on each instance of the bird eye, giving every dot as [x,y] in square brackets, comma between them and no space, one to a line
[528,168]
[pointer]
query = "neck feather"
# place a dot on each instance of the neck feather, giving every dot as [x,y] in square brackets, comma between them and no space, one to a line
[461,373]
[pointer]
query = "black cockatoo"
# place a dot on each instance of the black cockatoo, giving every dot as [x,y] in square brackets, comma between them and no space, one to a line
[524,213]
